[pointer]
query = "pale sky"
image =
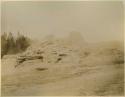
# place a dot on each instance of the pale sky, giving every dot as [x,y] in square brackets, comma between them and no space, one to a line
[96,20]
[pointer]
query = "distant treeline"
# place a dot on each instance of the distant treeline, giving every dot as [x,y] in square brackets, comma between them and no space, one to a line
[12,45]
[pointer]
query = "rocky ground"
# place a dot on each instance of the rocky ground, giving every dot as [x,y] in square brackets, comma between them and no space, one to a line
[61,67]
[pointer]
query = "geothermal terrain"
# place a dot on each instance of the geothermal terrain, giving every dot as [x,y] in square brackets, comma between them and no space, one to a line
[65,67]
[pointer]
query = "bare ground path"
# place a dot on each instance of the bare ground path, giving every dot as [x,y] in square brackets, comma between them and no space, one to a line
[67,80]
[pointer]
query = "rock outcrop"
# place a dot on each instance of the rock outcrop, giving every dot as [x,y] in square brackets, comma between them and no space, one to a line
[55,50]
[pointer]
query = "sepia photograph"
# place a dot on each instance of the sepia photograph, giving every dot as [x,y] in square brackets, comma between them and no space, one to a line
[62,48]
